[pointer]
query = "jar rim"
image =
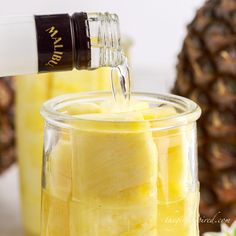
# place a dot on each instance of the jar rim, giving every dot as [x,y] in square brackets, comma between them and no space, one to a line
[190,110]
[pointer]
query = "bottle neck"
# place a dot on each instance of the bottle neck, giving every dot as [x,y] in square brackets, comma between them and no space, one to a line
[105,40]
[83,41]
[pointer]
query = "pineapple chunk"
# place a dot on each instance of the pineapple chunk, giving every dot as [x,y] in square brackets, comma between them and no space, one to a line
[112,122]
[80,81]
[125,153]
[114,174]
[172,147]
[111,106]
[59,166]
[82,108]
[177,207]
[31,92]
[59,171]
[93,218]
[179,217]
[158,112]
[55,216]
[172,164]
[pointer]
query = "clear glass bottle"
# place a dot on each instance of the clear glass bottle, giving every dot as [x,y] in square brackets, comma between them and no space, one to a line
[45,43]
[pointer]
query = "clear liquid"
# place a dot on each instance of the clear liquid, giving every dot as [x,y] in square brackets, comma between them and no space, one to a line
[121,85]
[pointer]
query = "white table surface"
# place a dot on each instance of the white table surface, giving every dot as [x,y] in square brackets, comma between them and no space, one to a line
[10,221]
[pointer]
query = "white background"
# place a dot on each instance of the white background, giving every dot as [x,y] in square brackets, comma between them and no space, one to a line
[157,29]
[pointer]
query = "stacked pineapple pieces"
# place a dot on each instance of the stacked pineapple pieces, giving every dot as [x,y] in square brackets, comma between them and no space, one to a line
[103,179]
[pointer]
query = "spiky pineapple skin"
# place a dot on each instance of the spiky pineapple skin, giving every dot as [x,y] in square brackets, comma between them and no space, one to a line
[206,73]
[7,137]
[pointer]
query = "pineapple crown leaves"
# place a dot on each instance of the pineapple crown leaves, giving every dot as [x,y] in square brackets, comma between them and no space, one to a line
[225,231]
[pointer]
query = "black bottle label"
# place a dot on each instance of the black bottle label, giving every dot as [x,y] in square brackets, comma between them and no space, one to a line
[54,41]
[82,40]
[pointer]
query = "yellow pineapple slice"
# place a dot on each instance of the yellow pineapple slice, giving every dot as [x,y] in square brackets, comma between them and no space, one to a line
[80,81]
[173,162]
[31,92]
[59,161]
[94,218]
[59,171]
[114,172]
[179,217]
[158,112]
[177,203]
[56,216]
[111,106]
[82,108]
[57,191]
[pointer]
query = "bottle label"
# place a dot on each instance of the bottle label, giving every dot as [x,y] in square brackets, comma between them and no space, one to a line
[54,42]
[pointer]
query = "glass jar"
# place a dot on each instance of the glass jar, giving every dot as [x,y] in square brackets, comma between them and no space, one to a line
[132,173]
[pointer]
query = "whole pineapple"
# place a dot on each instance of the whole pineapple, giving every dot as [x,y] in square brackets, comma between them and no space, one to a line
[206,73]
[7,152]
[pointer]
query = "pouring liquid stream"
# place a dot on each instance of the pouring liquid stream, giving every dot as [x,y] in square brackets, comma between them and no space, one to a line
[121,86]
